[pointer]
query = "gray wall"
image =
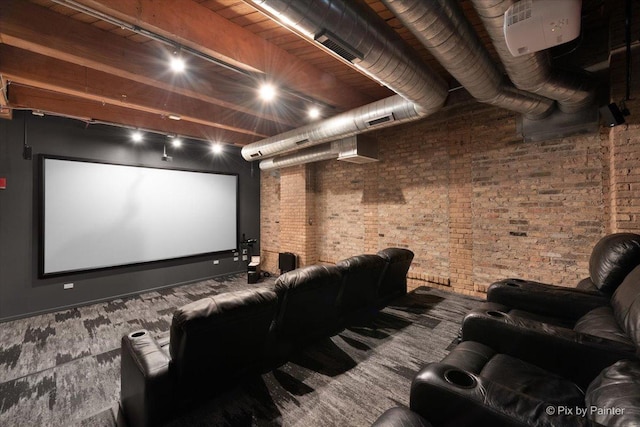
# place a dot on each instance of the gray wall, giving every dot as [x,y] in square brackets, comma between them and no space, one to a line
[21,291]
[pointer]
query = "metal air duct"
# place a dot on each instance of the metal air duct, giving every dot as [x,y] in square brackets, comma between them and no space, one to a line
[359,35]
[386,112]
[533,72]
[443,29]
[354,149]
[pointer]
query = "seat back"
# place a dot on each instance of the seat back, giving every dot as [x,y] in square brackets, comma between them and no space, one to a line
[625,303]
[612,258]
[394,278]
[615,395]
[361,277]
[308,309]
[216,339]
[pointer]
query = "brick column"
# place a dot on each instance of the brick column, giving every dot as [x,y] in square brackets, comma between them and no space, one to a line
[297,213]
[460,218]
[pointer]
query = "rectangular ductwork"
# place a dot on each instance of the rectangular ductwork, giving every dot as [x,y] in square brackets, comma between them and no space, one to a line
[358,149]
[338,46]
[559,125]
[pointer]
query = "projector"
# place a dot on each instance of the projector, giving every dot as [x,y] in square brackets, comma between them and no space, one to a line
[534,25]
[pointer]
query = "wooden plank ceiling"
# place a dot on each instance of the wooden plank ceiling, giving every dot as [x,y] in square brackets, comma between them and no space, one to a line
[57,59]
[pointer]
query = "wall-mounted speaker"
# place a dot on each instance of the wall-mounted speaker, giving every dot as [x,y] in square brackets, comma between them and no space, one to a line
[611,115]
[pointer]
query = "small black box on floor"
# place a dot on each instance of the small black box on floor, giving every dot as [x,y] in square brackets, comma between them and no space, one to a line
[253,277]
[286,262]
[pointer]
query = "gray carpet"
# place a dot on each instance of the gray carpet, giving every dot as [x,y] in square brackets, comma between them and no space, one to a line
[63,368]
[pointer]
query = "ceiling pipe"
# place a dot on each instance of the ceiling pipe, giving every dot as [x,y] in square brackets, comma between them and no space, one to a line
[354,149]
[328,151]
[377,115]
[357,34]
[533,72]
[360,36]
[440,25]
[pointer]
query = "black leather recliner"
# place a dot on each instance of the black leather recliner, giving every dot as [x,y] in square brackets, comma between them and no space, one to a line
[308,298]
[596,338]
[477,386]
[394,279]
[612,258]
[213,341]
[361,277]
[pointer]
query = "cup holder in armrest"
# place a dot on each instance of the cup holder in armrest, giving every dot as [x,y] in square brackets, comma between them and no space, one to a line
[137,334]
[496,314]
[513,285]
[460,378]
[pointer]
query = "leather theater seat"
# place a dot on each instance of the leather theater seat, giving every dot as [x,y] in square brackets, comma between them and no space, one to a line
[477,386]
[611,260]
[596,339]
[394,279]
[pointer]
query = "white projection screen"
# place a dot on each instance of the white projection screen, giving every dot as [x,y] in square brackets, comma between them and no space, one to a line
[98,215]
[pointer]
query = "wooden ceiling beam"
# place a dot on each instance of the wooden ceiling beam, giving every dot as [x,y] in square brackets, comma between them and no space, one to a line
[93,111]
[20,66]
[193,25]
[5,111]
[37,29]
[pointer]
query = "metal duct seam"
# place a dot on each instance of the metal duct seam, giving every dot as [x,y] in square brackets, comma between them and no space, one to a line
[533,72]
[442,28]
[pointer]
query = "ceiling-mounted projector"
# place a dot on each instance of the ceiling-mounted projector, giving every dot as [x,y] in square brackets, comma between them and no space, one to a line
[533,25]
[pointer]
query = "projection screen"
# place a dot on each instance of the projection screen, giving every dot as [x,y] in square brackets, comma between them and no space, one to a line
[98,215]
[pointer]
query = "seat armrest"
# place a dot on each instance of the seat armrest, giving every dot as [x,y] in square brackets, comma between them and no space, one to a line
[545,299]
[573,355]
[145,383]
[448,396]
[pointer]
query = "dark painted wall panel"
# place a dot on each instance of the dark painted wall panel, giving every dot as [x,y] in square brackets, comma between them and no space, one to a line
[21,291]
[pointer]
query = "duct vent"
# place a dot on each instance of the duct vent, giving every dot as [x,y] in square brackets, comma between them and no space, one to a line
[258,154]
[358,149]
[302,141]
[380,120]
[336,45]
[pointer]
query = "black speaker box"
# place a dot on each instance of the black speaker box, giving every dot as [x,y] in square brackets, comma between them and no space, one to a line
[286,262]
[611,115]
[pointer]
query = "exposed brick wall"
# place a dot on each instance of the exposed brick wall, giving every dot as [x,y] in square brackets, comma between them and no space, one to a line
[624,146]
[474,202]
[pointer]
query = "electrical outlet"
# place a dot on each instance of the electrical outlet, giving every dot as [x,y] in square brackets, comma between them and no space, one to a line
[216,261]
[244,257]
[68,286]
[244,251]
[235,258]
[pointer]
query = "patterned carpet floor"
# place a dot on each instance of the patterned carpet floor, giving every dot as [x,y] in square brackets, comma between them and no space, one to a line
[63,368]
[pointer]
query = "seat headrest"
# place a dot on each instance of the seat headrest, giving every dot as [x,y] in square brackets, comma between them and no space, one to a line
[208,311]
[360,261]
[308,276]
[612,258]
[396,254]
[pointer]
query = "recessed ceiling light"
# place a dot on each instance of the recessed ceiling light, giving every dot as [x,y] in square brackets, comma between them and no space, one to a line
[216,148]
[136,136]
[177,64]
[314,112]
[267,92]
[176,142]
